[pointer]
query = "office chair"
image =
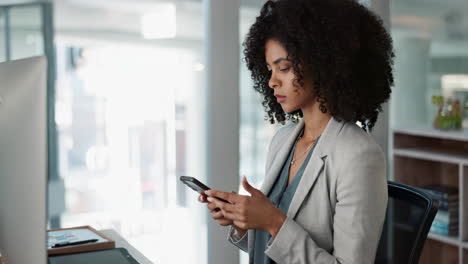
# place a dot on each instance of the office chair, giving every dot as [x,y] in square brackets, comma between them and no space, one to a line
[410,213]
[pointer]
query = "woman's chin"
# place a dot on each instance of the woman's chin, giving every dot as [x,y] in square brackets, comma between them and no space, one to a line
[289,110]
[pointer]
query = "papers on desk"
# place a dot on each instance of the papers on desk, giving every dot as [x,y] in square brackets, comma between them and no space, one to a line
[81,239]
[72,235]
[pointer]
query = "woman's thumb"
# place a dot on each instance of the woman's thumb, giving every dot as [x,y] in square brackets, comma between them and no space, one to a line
[247,186]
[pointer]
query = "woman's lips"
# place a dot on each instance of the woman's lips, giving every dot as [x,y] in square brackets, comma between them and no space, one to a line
[280,99]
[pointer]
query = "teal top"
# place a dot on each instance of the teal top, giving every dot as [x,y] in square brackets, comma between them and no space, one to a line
[281,194]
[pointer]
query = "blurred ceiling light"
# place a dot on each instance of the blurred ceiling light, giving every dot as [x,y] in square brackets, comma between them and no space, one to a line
[452,83]
[413,22]
[199,67]
[159,23]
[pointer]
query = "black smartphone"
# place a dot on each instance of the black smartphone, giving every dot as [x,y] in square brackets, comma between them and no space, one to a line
[196,185]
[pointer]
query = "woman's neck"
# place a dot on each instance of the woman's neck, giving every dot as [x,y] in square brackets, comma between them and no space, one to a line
[314,121]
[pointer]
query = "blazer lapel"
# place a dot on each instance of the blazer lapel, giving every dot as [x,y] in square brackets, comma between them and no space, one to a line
[311,172]
[315,165]
[278,161]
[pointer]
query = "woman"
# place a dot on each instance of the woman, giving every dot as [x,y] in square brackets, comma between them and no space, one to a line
[325,65]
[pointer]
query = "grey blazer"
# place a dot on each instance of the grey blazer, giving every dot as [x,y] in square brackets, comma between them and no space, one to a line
[338,210]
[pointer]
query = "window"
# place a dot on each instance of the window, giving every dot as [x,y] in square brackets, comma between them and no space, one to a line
[126,114]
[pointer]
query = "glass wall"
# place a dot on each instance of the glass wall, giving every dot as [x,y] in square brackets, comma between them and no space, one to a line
[26,32]
[23,24]
[126,115]
[431,47]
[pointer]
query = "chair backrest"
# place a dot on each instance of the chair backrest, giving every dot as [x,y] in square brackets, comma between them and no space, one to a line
[410,213]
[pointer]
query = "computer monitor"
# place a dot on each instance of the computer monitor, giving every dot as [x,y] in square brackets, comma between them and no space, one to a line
[23,161]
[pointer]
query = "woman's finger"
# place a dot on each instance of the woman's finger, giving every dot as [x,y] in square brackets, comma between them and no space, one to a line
[221,205]
[232,216]
[231,197]
[240,224]
[224,222]
[211,206]
[202,198]
[249,187]
[217,215]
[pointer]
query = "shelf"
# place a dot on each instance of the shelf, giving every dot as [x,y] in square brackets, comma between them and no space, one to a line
[465,245]
[440,252]
[427,131]
[446,239]
[431,155]
[423,156]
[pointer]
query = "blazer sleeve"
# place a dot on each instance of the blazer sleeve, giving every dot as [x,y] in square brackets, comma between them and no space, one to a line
[236,240]
[357,223]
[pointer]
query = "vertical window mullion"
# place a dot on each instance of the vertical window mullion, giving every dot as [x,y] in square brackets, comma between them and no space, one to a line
[7,34]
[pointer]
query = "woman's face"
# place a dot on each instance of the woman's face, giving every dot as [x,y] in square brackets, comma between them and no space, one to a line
[287,90]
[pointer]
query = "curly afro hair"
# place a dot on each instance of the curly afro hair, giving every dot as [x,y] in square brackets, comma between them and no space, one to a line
[342,45]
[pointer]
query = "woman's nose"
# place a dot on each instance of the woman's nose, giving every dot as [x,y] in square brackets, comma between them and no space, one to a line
[273,82]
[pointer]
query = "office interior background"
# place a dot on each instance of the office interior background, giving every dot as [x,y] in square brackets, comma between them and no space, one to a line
[144,91]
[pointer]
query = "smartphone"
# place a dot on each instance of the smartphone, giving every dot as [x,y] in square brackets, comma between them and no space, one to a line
[196,185]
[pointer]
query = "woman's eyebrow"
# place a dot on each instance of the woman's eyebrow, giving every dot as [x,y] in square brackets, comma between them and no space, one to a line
[278,61]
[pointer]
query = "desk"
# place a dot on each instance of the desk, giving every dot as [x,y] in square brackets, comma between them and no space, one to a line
[121,242]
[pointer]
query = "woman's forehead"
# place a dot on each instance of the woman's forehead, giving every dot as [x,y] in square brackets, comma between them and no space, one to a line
[274,51]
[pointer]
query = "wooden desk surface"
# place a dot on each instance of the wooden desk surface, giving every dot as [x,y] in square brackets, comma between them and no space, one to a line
[121,242]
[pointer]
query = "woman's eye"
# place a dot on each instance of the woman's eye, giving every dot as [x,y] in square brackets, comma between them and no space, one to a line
[285,69]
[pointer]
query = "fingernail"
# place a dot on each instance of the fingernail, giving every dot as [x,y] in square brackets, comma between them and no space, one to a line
[209,199]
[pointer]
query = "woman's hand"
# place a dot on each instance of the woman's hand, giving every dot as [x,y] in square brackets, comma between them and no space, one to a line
[248,212]
[215,212]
